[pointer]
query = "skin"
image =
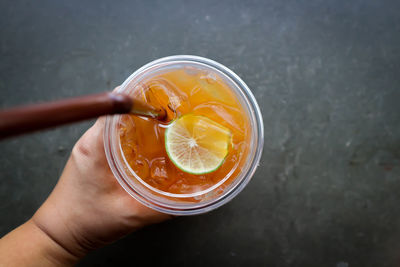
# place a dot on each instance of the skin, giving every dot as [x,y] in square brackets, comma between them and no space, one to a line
[86,210]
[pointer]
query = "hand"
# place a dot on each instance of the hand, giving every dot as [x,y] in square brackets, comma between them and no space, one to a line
[88,208]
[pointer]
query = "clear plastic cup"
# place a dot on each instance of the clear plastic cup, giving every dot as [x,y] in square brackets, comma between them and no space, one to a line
[207,200]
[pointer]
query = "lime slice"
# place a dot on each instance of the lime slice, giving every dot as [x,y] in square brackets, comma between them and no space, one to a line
[196,144]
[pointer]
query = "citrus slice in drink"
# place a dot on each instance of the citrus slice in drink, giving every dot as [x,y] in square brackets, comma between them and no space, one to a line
[196,144]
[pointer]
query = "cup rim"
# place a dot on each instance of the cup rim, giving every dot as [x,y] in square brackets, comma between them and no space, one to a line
[243,178]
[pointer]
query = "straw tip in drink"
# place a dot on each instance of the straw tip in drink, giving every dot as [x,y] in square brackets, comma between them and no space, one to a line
[161,114]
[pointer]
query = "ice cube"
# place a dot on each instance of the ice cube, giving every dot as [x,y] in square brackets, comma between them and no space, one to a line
[160,175]
[179,187]
[209,77]
[226,115]
[130,150]
[127,133]
[158,169]
[141,167]
[195,90]
[166,95]
[139,91]
[190,70]
[126,124]
[211,86]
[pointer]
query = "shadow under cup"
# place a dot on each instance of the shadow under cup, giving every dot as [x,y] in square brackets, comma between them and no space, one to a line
[197,202]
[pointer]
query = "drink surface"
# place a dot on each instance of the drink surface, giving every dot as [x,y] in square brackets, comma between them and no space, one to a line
[180,91]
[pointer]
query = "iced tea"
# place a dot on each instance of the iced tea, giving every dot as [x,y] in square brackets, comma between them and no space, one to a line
[180,91]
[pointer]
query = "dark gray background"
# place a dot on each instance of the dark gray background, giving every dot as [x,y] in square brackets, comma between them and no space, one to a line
[327,78]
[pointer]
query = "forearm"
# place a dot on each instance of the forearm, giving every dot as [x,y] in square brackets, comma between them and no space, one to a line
[28,245]
[86,210]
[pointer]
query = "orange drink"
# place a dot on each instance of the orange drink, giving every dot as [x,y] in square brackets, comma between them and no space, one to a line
[207,147]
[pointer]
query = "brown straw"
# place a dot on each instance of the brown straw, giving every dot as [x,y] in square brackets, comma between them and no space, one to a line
[31,118]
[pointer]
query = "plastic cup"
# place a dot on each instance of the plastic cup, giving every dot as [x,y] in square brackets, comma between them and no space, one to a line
[180,204]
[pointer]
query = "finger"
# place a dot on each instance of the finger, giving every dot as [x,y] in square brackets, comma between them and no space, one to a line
[101,121]
[116,88]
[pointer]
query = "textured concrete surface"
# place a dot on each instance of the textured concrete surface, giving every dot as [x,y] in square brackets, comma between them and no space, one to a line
[327,78]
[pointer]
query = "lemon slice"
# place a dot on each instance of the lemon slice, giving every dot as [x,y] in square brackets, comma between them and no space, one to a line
[196,144]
